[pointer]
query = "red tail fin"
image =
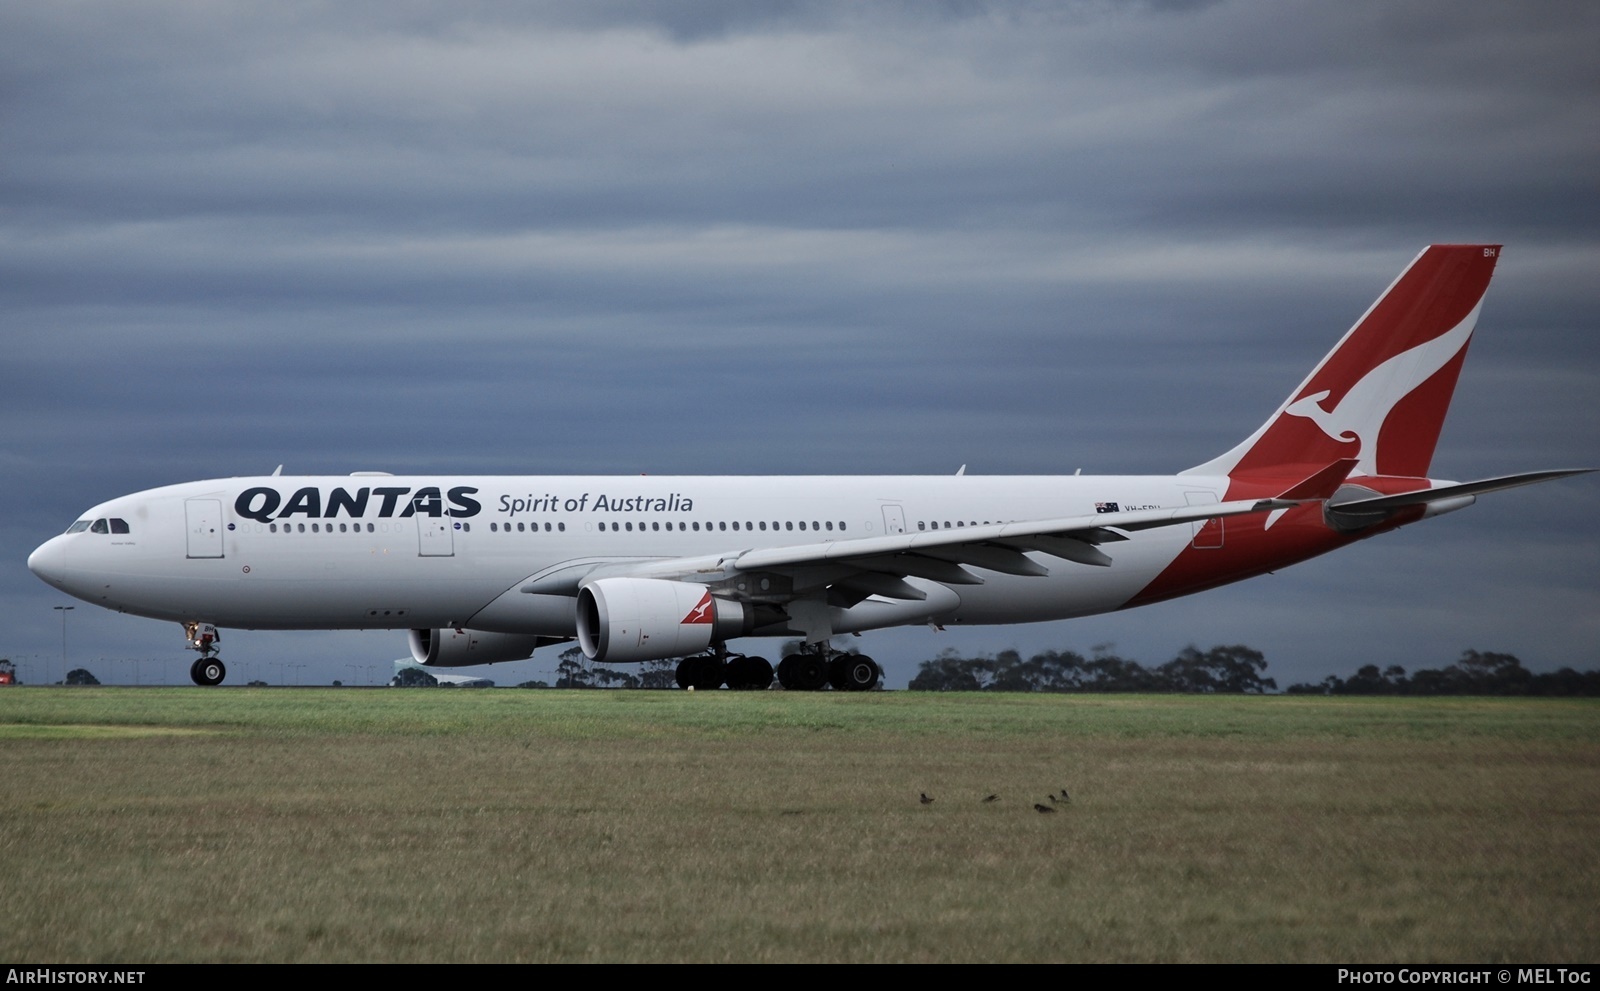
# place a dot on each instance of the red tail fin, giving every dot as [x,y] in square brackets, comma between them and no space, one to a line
[1381,394]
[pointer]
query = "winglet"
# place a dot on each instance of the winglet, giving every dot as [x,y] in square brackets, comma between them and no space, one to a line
[1321,485]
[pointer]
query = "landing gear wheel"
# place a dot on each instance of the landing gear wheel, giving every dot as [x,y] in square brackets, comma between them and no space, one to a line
[861,673]
[700,673]
[207,671]
[810,672]
[836,672]
[755,674]
[711,674]
[786,675]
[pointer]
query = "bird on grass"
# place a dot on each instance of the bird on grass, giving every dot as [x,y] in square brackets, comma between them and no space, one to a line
[1041,807]
[926,800]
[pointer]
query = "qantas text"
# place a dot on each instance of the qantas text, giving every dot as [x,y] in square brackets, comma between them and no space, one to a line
[264,504]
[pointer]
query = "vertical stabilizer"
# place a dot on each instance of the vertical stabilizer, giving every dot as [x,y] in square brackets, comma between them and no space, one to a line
[1381,394]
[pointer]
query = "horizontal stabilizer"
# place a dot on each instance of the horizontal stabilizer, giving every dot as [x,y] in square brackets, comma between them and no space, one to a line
[1378,504]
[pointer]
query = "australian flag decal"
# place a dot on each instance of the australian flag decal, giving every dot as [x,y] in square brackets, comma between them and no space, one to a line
[1106,507]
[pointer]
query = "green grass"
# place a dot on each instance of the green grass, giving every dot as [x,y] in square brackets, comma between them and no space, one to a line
[350,825]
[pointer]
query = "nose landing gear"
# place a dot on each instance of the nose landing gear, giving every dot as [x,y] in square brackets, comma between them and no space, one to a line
[208,670]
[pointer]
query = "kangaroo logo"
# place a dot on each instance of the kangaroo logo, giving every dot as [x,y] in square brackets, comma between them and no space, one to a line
[1361,413]
[701,613]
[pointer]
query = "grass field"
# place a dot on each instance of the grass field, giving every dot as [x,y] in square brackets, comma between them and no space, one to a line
[183,824]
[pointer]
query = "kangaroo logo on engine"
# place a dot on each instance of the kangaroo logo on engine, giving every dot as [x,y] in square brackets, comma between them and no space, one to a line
[701,613]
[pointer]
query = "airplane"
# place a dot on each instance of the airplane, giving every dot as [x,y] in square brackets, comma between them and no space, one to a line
[486,569]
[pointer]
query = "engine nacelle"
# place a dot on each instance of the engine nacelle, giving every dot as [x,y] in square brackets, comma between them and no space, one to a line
[458,648]
[646,619]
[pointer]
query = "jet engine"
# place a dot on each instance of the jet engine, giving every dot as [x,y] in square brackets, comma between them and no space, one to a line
[458,648]
[645,619]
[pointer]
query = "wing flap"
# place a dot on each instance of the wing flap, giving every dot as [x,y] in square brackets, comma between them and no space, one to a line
[990,557]
[1067,548]
[946,571]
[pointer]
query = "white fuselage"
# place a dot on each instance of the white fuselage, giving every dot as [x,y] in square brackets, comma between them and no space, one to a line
[387,552]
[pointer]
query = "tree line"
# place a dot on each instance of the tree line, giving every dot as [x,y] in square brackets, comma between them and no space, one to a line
[1476,673]
[1234,669]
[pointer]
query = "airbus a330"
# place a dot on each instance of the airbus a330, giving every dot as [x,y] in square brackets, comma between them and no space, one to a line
[484,569]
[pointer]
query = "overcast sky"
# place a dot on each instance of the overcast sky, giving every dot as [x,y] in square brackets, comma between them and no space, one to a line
[797,237]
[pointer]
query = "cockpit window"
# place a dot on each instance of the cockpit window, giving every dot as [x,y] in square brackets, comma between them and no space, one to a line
[78,527]
[99,527]
[119,526]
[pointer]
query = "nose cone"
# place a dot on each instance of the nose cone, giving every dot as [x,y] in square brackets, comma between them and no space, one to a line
[49,562]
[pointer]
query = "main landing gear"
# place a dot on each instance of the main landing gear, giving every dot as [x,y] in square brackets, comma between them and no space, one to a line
[208,670]
[705,672]
[811,669]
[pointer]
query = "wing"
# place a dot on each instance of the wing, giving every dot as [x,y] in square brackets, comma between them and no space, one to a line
[853,569]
